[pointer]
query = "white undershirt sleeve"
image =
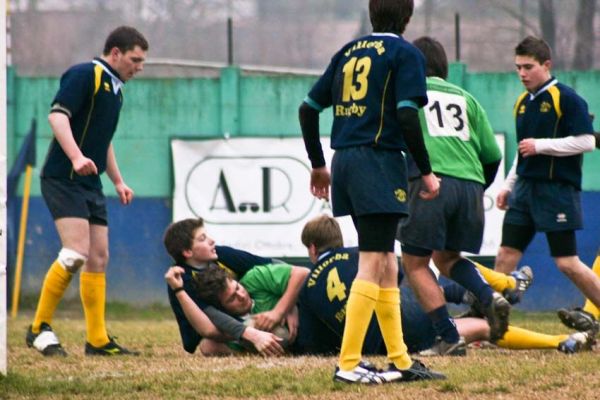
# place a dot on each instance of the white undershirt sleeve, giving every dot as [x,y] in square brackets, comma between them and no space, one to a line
[567,146]
[511,177]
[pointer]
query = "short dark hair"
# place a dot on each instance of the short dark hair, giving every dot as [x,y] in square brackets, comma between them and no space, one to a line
[534,47]
[390,15]
[324,232]
[179,237]
[124,38]
[210,282]
[435,56]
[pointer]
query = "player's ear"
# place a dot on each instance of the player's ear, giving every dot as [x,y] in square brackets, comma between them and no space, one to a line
[187,253]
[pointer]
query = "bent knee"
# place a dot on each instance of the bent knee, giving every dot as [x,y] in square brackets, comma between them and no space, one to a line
[569,265]
[71,260]
[211,348]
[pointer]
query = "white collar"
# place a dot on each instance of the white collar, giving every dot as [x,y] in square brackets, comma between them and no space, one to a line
[543,89]
[116,82]
[385,34]
[323,255]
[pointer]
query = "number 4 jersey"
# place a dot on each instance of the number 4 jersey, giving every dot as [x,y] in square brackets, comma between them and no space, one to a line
[457,132]
[324,297]
[365,83]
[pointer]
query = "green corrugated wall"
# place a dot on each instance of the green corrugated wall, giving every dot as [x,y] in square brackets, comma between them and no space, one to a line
[157,109]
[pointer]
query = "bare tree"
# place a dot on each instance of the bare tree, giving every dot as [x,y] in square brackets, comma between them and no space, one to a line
[584,47]
[548,27]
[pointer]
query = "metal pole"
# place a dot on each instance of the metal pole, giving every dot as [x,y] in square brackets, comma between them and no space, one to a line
[229,41]
[230,32]
[457,34]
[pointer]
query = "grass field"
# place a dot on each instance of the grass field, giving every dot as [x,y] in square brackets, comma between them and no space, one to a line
[164,370]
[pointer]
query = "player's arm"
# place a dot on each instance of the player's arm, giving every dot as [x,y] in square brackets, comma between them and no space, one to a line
[198,319]
[309,124]
[490,155]
[489,173]
[112,170]
[560,147]
[408,118]
[61,128]
[210,322]
[508,185]
[268,320]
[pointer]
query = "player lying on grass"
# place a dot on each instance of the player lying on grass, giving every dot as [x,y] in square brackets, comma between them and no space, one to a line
[192,249]
[322,303]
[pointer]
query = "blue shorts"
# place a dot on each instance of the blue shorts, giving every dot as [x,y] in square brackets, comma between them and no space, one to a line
[452,221]
[69,199]
[546,206]
[367,180]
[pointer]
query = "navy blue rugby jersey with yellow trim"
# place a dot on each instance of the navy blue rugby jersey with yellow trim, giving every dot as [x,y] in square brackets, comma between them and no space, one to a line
[555,111]
[364,83]
[237,262]
[90,95]
[326,290]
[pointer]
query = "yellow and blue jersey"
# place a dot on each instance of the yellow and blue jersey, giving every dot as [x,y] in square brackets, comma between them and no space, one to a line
[364,84]
[90,95]
[555,111]
[325,294]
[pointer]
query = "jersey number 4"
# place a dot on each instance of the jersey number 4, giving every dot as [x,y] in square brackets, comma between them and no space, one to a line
[356,72]
[336,289]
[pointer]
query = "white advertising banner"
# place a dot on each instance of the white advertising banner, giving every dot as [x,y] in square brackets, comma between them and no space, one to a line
[492,234]
[253,194]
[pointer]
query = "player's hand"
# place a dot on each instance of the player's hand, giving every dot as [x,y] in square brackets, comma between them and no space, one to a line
[502,199]
[319,183]
[267,321]
[266,343]
[125,193]
[174,277]
[292,322]
[527,147]
[84,166]
[431,185]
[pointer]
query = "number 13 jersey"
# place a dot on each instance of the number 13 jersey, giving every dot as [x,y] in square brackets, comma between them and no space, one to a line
[365,83]
[457,132]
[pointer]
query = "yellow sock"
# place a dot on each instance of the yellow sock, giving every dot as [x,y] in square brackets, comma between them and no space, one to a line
[55,284]
[497,280]
[92,288]
[387,310]
[589,306]
[359,310]
[519,338]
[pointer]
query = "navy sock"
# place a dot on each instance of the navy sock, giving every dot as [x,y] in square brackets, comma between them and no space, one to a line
[465,273]
[453,292]
[444,325]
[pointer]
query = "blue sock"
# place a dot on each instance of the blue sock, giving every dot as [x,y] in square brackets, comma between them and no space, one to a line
[453,292]
[465,274]
[444,325]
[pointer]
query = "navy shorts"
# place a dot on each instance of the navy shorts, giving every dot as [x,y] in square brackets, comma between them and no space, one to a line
[367,180]
[546,206]
[69,199]
[452,221]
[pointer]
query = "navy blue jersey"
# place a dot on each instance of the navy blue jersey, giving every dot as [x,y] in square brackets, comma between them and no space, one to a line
[555,111]
[326,292]
[90,95]
[365,71]
[238,262]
